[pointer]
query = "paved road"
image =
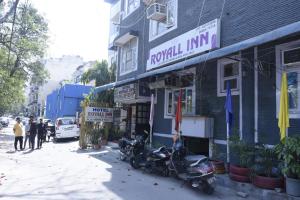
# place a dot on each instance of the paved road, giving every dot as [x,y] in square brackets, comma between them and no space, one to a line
[61,171]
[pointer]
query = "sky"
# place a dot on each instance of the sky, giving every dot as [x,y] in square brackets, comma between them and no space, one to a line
[76,27]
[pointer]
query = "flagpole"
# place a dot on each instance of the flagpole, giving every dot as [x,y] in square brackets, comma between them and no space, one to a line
[228,151]
[150,136]
[151,118]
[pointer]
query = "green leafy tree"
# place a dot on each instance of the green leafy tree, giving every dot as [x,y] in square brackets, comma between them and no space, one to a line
[12,7]
[101,73]
[25,38]
[12,91]
[23,41]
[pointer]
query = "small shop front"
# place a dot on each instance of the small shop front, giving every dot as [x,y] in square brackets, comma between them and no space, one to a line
[134,99]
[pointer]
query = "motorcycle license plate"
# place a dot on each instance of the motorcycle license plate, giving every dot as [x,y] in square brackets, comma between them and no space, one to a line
[211,180]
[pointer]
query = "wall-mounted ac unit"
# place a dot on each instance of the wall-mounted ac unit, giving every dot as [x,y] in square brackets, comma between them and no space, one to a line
[196,126]
[157,12]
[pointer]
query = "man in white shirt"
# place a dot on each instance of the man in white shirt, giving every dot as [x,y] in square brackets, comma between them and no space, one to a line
[27,134]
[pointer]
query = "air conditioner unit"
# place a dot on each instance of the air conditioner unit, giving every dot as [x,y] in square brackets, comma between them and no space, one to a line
[291,56]
[157,12]
[196,126]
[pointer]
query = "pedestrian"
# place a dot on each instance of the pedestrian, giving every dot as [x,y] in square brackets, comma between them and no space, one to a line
[46,132]
[18,131]
[32,131]
[41,131]
[27,135]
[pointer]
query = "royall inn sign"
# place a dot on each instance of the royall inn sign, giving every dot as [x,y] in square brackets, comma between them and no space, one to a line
[98,114]
[203,38]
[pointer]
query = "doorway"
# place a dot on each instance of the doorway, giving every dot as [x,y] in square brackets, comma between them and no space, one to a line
[142,117]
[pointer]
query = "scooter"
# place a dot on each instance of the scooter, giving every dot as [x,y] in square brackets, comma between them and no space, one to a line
[151,160]
[194,169]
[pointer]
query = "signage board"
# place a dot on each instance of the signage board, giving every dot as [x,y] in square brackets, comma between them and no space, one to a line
[97,114]
[125,93]
[203,38]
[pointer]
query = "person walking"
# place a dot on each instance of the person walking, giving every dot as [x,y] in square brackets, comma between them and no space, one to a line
[32,131]
[18,131]
[41,131]
[46,132]
[27,135]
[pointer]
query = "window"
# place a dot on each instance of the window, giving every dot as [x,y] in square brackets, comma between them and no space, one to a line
[287,59]
[187,101]
[129,57]
[228,71]
[168,102]
[130,6]
[143,113]
[157,28]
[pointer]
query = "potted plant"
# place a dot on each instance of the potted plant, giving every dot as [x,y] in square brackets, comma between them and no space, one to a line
[217,160]
[243,154]
[265,171]
[95,137]
[104,135]
[289,152]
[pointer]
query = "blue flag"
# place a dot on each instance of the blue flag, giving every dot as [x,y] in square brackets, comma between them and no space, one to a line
[228,106]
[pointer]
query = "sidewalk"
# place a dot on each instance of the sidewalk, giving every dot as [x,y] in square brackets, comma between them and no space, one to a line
[250,189]
[223,181]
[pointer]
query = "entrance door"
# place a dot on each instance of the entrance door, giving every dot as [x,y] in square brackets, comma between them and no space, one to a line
[142,117]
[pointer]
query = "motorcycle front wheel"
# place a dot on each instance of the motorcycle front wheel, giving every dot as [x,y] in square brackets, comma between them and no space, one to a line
[134,163]
[208,188]
[122,157]
[166,171]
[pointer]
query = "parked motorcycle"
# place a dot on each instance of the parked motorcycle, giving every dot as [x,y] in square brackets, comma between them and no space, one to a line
[151,160]
[125,146]
[194,169]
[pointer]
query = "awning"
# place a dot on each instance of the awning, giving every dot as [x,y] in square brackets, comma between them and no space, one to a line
[104,87]
[123,39]
[255,41]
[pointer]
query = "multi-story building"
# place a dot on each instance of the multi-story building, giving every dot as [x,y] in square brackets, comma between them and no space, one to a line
[34,108]
[59,69]
[162,46]
[80,70]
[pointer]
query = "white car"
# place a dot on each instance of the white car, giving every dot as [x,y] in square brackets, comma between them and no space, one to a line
[4,121]
[66,127]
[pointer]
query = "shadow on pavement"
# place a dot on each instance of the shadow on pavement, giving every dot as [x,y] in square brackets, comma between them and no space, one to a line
[65,140]
[90,150]
[129,183]
[28,151]
[11,151]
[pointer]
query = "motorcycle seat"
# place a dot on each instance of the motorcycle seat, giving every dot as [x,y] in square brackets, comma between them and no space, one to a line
[158,150]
